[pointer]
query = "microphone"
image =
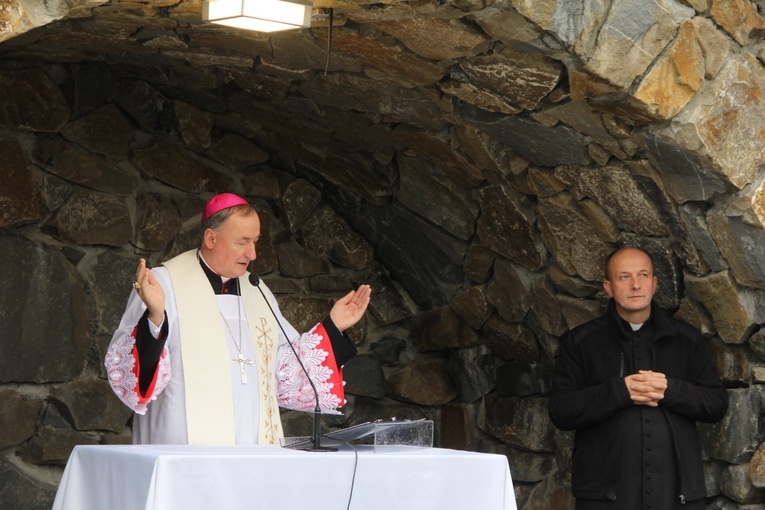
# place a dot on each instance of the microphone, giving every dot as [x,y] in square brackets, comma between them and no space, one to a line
[316,436]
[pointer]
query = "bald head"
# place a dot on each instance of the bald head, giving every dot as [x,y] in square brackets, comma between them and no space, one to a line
[628,249]
[631,283]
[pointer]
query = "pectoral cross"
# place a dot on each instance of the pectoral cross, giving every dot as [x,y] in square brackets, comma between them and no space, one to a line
[241,360]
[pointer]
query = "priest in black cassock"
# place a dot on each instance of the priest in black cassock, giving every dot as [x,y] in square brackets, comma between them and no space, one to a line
[201,359]
[632,384]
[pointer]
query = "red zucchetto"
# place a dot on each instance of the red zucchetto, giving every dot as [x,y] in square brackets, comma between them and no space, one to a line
[219,202]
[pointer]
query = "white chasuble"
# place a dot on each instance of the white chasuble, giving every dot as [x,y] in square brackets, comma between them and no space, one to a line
[213,386]
[197,395]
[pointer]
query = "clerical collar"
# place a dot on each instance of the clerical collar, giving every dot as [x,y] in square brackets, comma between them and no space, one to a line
[624,325]
[220,284]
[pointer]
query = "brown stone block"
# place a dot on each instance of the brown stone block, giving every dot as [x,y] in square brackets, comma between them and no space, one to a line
[675,77]
[578,244]
[392,62]
[20,489]
[18,417]
[21,200]
[438,150]
[70,162]
[92,218]
[504,216]
[757,468]
[577,311]
[523,79]
[731,307]
[297,262]
[425,191]
[171,164]
[300,199]
[417,107]
[441,329]
[424,382]
[44,322]
[300,50]
[472,306]
[146,105]
[236,153]
[511,341]
[52,446]
[740,19]
[634,35]
[437,39]
[157,221]
[519,422]
[360,131]
[609,185]
[474,371]
[304,312]
[259,84]
[387,305]
[736,484]
[328,234]
[31,101]
[194,125]
[89,404]
[510,291]
[456,427]
[88,131]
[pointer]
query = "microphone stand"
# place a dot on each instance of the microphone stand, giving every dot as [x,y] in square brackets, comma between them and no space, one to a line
[316,435]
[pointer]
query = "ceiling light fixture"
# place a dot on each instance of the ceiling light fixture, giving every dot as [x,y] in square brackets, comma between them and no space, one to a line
[259,15]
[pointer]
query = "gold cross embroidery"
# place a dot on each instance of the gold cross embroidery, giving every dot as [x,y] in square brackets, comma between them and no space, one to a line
[263,330]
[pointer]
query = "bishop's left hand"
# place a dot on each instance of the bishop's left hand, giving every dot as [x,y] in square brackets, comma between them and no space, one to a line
[349,309]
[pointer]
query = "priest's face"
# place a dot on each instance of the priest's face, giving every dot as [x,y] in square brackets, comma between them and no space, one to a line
[631,283]
[230,248]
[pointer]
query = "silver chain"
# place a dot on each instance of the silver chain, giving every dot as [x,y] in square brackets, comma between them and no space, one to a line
[239,312]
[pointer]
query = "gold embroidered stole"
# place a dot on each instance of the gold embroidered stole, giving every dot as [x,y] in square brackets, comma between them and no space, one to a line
[205,357]
[264,332]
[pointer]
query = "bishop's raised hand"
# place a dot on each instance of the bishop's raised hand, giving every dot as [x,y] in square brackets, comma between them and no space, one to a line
[349,309]
[150,291]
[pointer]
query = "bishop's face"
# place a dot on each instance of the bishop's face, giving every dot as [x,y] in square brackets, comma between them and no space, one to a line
[230,248]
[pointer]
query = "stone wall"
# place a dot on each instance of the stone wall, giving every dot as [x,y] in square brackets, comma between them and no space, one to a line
[473,161]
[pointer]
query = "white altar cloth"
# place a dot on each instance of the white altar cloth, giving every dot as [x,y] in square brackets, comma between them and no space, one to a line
[174,477]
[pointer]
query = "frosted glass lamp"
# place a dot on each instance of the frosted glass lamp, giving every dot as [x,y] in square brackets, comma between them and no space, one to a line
[259,15]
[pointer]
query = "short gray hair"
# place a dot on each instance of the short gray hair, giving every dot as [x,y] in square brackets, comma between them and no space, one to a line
[216,220]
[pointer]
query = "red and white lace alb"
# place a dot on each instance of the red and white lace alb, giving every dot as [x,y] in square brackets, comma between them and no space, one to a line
[122,373]
[295,390]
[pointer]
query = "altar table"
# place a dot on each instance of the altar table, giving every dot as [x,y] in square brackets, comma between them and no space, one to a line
[176,477]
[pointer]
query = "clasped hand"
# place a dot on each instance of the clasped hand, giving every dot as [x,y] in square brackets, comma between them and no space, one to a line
[646,387]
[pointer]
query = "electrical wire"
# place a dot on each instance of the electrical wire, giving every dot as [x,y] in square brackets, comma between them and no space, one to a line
[355,467]
[355,463]
[329,39]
